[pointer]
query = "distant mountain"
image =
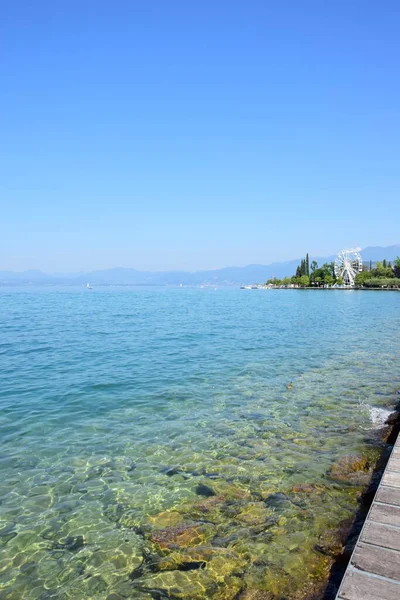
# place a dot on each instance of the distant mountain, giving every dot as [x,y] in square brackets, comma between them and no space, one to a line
[375,253]
[225,276]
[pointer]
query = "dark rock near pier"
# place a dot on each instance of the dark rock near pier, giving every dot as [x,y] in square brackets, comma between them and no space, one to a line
[393,418]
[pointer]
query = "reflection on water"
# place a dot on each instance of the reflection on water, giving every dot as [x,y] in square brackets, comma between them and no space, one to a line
[151,448]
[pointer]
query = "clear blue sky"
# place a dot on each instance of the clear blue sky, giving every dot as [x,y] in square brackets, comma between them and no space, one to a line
[161,135]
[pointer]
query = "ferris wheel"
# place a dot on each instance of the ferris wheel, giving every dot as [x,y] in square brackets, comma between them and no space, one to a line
[347,264]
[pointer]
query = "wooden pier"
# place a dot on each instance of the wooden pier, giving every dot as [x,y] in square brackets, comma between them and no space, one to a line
[374,569]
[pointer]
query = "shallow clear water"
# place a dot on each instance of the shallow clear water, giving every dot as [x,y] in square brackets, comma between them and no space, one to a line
[123,410]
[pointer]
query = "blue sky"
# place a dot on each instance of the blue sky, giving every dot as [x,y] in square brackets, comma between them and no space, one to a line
[161,135]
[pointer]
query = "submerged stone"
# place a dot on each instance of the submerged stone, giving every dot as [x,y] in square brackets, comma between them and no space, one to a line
[351,469]
[72,543]
[204,490]
[254,513]
[167,518]
[308,488]
[178,584]
[199,573]
[182,536]
[254,594]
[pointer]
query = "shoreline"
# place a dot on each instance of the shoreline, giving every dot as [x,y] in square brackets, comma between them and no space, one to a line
[324,289]
[388,434]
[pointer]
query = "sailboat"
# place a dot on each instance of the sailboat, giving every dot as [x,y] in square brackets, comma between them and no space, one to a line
[89,287]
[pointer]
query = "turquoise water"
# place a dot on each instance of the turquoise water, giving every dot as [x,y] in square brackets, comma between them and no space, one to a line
[132,416]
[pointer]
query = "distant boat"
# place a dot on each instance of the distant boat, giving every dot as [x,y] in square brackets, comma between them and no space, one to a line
[89,287]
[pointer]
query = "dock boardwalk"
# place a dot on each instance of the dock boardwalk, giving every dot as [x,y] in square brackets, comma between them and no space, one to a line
[374,569]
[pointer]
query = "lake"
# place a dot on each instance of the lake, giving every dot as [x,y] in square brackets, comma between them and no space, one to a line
[153,447]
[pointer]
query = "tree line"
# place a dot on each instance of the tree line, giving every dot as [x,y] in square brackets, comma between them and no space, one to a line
[383,274]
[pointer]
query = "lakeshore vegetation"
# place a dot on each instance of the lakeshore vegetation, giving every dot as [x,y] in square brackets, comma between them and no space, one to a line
[382,274]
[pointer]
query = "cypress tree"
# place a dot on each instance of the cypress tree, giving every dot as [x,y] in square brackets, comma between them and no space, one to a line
[307,265]
[384,263]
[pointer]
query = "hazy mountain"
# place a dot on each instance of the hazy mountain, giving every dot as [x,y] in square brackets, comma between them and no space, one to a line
[225,276]
[375,253]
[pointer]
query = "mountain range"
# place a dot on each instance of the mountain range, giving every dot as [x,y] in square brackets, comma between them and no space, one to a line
[225,276]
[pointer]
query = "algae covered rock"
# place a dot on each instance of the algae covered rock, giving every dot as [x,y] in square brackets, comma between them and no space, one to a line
[167,518]
[254,513]
[183,535]
[194,584]
[351,469]
[254,594]
[178,585]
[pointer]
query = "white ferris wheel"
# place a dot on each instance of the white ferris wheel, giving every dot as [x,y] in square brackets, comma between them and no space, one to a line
[347,264]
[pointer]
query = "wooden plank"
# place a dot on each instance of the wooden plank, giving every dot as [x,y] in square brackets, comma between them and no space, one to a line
[361,586]
[381,535]
[391,478]
[394,464]
[383,513]
[374,569]
[389,495]
[375,559]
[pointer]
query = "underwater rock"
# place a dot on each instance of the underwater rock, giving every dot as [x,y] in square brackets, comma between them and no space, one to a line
[393,418]
[170,471]
[251,594]
[203,572]
[278,500]
[351,469]
[178,585]
[96,585]
[308,488]
[8,527]
[164,519]
[72,543]
[254,513]
[209,504]
[28,568]
[178,561]
[183,535]
[230,590]
[204,490]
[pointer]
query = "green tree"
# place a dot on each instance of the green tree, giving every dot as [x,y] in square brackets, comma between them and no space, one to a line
[304,281]
[382,282]
[314,265]
[396,267]
[285,281]
[362,277]
[382,270]
[340,281]
[329,279]
[307,265]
